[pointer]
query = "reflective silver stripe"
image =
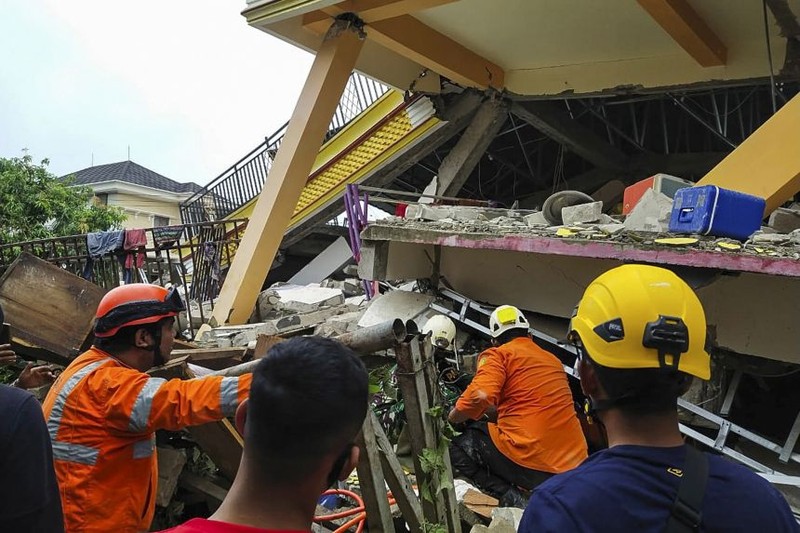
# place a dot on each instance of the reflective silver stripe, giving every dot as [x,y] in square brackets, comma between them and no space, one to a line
[140,413]
[229,396]
[54,420]
[75,453]
[144,448]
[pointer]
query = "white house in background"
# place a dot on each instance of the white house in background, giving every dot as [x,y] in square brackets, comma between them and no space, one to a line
[148,198]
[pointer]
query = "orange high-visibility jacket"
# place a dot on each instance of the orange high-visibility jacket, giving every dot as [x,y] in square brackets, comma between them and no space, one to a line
[536,422]
[102,415]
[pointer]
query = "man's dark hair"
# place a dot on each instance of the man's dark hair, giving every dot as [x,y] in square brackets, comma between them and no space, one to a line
[308,399]
[124,337]
[510,335]
[642,391]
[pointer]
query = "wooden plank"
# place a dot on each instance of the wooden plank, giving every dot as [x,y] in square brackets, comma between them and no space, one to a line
[480,503]
[430,372]
[264,343]
[413,385]
[370,478]
[214,358]
[203,485]
[396,478]
[47,306]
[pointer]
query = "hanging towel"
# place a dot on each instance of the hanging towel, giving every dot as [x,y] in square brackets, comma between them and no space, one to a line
[104,242]
[166,235]
[135,241]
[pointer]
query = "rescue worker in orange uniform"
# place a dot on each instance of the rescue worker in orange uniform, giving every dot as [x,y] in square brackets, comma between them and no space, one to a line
[103,410]
[526,428]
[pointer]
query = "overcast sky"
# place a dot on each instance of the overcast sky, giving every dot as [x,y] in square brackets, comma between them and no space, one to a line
[186,83]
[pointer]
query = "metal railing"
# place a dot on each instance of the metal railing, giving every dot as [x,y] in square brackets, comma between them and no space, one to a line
[193,257]
[245,179]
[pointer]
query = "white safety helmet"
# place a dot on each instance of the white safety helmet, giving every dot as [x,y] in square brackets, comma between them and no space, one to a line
[442,331]
[504,318]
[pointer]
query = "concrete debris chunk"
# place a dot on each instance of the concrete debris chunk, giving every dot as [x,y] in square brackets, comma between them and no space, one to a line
[784,220]
[581,213]
[510,515]
[536,219]
[504,520]
[339,324]
[308,298]
[651,214]
[770,238]
[611,229]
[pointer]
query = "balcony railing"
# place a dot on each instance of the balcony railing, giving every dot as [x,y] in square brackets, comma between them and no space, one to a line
[245,179]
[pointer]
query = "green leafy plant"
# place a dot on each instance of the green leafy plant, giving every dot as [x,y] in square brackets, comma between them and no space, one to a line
[36,204]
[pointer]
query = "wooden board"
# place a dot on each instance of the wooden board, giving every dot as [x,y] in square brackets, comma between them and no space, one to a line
[480,503]
[213,358]
[47,306]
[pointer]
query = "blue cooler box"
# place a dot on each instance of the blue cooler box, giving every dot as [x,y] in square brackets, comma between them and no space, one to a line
[710,210]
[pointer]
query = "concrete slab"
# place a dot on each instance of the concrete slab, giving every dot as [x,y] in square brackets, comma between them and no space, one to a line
[308,298]
[333,258]
[396,304]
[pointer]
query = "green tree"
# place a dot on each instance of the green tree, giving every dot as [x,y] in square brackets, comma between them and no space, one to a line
[35,204]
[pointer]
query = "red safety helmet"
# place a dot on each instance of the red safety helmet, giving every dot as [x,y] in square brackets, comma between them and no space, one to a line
[135,304]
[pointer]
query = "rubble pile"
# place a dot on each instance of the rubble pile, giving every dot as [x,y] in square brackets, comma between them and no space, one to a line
[646,226]
[329,308]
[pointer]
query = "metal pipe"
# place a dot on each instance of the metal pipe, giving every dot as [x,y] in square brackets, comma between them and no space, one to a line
[364,341]
[375,338]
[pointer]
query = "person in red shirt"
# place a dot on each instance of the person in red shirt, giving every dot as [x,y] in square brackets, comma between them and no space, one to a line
[307,402]
[526,428]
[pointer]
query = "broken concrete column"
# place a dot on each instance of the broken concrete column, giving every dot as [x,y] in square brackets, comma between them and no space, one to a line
[581,213]
[266,302]
[651,213]
[784,220]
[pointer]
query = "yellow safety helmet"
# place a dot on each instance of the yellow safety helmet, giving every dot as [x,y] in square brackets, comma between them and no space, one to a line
[504,318]
[640,316]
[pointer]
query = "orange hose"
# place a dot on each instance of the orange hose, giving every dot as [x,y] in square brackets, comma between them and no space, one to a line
[361,516]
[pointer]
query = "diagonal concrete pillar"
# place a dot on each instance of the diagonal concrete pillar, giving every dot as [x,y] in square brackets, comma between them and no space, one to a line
[312,115]
[460,162]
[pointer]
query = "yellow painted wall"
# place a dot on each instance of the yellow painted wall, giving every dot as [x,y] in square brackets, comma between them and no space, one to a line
[140,210]
[766,164]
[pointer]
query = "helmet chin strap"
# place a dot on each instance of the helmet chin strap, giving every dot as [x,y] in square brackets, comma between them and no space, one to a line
[158,358]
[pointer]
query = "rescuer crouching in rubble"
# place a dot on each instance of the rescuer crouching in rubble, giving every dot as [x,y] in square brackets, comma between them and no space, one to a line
[640,334]
[526,428]
[103,410]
